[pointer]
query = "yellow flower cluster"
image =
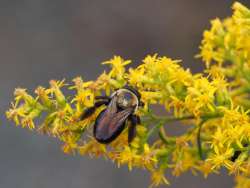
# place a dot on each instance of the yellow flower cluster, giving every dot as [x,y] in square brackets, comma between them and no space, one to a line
[214,107]
[225,49]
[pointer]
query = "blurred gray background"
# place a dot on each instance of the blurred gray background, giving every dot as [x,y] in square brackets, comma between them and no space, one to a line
[54,39]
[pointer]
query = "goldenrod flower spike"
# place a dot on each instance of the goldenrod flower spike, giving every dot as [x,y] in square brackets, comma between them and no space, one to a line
[214,106]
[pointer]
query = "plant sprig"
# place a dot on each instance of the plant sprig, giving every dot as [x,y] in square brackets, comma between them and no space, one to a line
[214,104]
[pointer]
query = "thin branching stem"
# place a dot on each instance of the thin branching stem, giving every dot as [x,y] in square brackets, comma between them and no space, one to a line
[199,141]
[161,121]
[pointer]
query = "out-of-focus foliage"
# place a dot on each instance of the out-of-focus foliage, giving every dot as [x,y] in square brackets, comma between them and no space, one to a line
[214,104]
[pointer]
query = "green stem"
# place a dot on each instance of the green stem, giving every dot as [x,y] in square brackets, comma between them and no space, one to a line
[199,142]
[166,140]
[163,120]
[153,130]
[186,117]
[240,91]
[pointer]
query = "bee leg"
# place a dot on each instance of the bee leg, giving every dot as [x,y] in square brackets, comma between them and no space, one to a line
[141,103]
[89,111]
[103,98]
[134,120]
[138,119]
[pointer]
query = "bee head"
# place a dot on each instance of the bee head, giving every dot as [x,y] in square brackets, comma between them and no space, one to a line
[127,97]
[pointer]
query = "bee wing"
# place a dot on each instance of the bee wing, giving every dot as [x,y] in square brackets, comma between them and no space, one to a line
[112,107]
[118,119]
[108,126]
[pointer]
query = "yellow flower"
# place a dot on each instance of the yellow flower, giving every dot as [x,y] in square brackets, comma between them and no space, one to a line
[118,67]
[158,178]
[55,87]
[28,122]
[84,98]
[200,96]
[183,160]
[221,158]
[218,140]
[178,105]
[14,113]
[147,159]
[242,182]
[137,76]
[127,156]
[102,83]
[237,167]
[93,148]
[206,168]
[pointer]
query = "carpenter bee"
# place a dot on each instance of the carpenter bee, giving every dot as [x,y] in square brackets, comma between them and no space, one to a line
[120,109]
